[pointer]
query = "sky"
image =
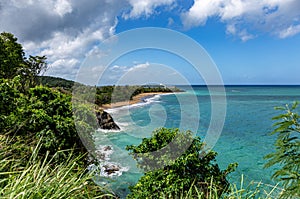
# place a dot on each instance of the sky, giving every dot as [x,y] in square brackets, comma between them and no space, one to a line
[248,41]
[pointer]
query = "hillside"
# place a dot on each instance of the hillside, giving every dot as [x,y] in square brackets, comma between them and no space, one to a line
[50,81]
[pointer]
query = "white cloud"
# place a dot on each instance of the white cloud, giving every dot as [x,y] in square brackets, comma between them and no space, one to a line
[145,7]
[62,7]
[170,21]
[150,73]
[63,30]
[139,66]
[200,12]
[242,34]
[246,18]
[67,68]
[290,31]
[142,73]
[66,30]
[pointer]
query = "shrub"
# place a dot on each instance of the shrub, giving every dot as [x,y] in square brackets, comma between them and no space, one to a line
[43,113]
[179,174]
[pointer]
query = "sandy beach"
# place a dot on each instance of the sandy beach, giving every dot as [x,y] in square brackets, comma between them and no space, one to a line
[136,99]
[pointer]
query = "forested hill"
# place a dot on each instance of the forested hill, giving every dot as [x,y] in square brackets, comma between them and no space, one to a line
[51,82]
[104,94]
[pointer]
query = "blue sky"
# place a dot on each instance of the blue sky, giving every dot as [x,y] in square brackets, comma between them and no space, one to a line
[251,42]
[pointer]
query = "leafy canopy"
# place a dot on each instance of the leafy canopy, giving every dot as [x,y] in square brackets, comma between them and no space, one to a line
[179,174]
[43,113]
[13,61]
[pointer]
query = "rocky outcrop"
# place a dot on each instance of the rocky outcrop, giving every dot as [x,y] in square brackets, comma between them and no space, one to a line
[106,121]
[111,169]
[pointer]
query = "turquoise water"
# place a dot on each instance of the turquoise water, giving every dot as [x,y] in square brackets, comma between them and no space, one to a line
[244,139]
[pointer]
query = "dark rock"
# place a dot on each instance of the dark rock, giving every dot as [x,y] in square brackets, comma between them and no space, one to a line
[107,148]
[110,169]
[106,121]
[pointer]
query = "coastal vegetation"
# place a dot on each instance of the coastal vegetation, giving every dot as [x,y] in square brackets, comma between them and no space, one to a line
[42,156]
[100,95]
[287,151]
[170,174]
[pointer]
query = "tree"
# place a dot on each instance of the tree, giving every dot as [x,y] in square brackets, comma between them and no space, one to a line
[287,151]
[12,56]
[44,115]
[36,65]
[179,175]
[10,100]
[13,61]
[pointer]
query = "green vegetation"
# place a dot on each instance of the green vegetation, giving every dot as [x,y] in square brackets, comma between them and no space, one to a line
[42,118]
[13,62]
[103,94]
[41,113]
[177,175]
[35,177]
[55,82]
[108,94]
[42,156]
[287,152]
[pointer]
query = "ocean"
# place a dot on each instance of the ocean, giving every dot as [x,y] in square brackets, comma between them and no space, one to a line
[245,136]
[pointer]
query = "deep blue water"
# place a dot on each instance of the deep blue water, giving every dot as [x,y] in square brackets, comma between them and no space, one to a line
[244,138]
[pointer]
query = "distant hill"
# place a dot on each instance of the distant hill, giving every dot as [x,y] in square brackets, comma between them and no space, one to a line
[104,94]
[56,82]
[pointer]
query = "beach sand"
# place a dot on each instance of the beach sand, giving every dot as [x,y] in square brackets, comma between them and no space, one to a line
[136,99]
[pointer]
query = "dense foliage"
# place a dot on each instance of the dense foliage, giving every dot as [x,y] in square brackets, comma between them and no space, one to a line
[42,113]
[110,94]
[55,82]
[192,169]
[41,154]
[287,151]
[13,61]
[100,94]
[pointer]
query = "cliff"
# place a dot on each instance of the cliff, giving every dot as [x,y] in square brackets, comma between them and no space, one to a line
[106,121]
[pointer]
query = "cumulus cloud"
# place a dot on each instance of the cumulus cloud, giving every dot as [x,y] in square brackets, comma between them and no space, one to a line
[139,66]
[63,30]
[145,7]
[247,18]
[290,31]
[137,74]
[152,73]
[66,30]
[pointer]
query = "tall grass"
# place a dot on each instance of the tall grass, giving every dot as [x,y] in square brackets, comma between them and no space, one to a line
[44,178]
[252,190]
[37,177]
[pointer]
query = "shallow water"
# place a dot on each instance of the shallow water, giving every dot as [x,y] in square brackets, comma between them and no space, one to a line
[244,138]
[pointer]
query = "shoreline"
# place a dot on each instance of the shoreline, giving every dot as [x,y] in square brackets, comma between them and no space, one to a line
[135,100]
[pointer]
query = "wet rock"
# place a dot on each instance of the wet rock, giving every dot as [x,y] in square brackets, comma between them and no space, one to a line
[106,121]
[110,169]
[107,148]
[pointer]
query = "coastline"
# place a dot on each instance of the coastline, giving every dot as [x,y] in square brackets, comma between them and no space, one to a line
[135,100]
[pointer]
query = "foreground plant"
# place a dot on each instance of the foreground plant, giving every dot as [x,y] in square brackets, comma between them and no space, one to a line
[186,170]
[287,151]
[45,178]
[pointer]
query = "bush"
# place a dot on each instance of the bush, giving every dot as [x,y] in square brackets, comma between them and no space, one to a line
[179,174]
[43,113]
